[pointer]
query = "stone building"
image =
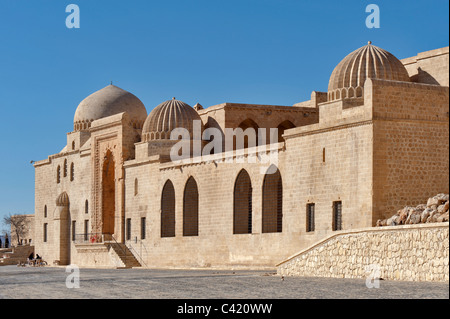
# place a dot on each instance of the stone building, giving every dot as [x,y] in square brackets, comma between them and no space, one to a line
[377,140]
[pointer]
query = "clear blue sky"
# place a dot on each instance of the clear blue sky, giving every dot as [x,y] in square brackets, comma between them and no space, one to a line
[206,51]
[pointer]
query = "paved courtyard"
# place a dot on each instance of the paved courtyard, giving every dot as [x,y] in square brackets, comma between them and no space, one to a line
[50,282]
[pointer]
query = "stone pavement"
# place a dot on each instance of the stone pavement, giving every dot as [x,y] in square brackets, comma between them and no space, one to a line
[50,282]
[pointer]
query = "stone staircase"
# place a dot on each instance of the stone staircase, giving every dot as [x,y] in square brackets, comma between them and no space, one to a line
[127,259]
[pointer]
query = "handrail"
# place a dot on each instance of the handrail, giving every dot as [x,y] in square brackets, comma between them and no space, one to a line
[122,249]
[86,238]
[109,240]
[141,260]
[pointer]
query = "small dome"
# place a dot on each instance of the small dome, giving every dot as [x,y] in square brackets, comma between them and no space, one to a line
[62,200]
[109,101]
[166,117]
[368,62]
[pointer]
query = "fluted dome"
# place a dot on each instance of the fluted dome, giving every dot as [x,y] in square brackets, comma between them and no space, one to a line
[62,200]
[347,79]
[109,101]
[166,117]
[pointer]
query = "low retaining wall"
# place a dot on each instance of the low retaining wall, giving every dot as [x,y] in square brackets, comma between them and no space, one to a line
[15,255]
[96,256]
[409,253]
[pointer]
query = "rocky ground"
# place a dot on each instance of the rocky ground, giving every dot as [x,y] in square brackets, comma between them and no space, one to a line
[434,211]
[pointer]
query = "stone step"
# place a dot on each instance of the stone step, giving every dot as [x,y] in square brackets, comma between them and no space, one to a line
[127,257]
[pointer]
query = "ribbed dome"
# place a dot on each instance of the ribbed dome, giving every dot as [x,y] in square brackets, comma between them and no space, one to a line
[347,79]
[166,117]
[62,200]
[109,101]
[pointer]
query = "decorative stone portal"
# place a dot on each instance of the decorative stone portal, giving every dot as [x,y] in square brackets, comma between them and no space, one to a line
[108,194]
[62,229]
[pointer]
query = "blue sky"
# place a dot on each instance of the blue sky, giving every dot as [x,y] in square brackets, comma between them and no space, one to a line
[206,51]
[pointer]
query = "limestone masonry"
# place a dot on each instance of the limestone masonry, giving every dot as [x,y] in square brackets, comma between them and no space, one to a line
[375,142]
[409,253]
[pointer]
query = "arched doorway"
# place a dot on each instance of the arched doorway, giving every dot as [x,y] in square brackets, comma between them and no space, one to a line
[190,208]
[242,204]
[108,194]
[62,229]
[168,210]
[272,204]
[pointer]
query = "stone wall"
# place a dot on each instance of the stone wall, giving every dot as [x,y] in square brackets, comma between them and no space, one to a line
[15,255]
[96,255]
[429,67]
[410,144]
[215,245]
[409,253]
[47,190]
[307,178]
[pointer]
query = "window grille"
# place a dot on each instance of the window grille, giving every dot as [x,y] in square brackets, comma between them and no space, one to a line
[168,210]
[143,227]
[337,215]
[310,212]
[45,232]
[73,230]
[242,204]
[272,205]
[128,228]
[190,208]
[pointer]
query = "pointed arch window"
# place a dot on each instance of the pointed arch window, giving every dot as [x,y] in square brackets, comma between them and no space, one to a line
[250,139]
[58,174]
[190,208]
[242,204]
[168,210]
[281,128]
[72,172]
[272,205]
[65,168]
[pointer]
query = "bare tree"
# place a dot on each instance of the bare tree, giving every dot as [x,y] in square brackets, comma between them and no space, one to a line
[19,225]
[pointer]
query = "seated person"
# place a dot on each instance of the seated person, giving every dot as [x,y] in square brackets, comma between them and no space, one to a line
[30,259]
[36,261]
